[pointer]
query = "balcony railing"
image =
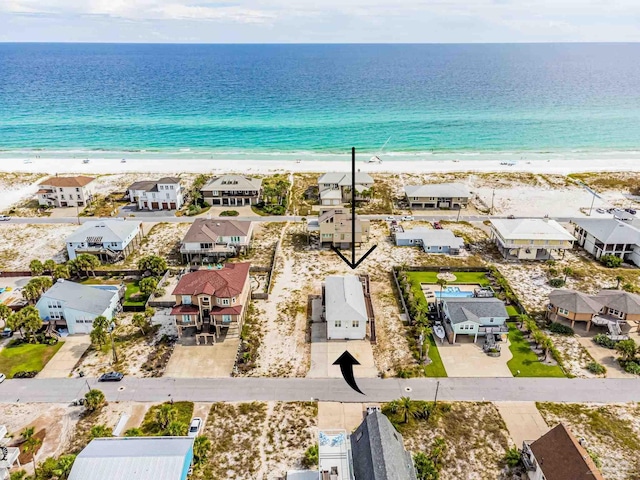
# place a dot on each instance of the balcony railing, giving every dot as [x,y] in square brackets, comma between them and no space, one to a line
[217,248]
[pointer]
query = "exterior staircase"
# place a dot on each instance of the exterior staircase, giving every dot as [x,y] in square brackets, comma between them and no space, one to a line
[233,331]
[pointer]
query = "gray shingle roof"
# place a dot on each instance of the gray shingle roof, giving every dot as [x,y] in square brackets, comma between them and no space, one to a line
[610,230]
[472,309]
[432,237]
[233,183]
[576,302]
[438,190]
[107,230]
[85,298]
[139,458]
[344,298]
[206,230]
[619,300]
[378,451]
[152,185]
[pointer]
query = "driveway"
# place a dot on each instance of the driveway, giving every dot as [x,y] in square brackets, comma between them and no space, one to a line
[203,361]
[606,357]
[62,363]
[324,353]
[466,359]
[344,416]
[523,421]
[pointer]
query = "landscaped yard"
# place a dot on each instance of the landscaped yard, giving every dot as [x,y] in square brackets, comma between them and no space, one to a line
[435,368]
[133,290]
[525,360]
[465,278]
[26,357]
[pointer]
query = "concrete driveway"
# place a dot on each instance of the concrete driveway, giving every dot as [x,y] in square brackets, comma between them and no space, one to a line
[606,357]
[62,363]
[203,361]
[336,415]
[523,421]
[466,359]
[324,353]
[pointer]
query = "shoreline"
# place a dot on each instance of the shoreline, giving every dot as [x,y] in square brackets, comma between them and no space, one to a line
[171,165]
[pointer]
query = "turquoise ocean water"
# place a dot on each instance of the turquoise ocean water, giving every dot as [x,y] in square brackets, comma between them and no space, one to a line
[316,101]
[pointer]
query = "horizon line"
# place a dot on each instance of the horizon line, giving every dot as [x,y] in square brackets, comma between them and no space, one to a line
[64,42]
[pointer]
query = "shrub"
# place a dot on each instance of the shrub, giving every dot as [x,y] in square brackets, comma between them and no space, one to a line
[596,368]
[310,457]
[604,341]
[512,458]
[556,282]
[630,366]
[560,329]
[229,213]
[610,261]
[553,271]
[27,374]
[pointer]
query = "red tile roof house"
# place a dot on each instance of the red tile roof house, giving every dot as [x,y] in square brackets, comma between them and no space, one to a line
[212,299]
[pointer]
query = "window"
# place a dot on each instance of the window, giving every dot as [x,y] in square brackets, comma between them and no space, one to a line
[60,190]
[225,301]
[186,318]
[62,197]
[205,300]
[168,195]
[171,187]
[233,300]
[186,299]
[235,239]
[77,190]
[563,311]
[338,323]
[79,197]
[355,324]
[206,245]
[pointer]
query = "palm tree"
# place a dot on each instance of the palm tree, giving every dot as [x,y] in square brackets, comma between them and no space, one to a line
[5,313]
[176,429]
[61,271]
[36,267]
[546,345]
[49,266]
[100,431]
[94,399]
[442,282]
[567,271]
[406,408]
[31,321]
[140,321]
[63,469]
[201,449]
[31,444]
[619,278]
[165,414]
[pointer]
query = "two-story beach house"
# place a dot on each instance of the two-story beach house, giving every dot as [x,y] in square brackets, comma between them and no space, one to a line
[75,306]
[442,196]
[473,316]
[109,240]
[335,187]
[66,191]
[345,307]
[529,238]
[335,227]
[162,194]
[430,240]
[212,299]
[232,190]
[209,240]
[609,236]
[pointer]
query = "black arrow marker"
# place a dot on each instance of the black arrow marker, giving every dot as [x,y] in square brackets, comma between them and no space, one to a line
[353,263]
[346,362]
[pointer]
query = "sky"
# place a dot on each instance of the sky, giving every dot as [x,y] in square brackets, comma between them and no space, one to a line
[320,21]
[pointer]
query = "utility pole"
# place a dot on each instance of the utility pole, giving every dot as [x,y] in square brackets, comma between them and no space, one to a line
[435,399]
[458,217]
[113,346]
[593,199]
[493,196]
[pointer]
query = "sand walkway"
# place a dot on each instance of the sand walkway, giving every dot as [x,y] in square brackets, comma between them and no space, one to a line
[523,421]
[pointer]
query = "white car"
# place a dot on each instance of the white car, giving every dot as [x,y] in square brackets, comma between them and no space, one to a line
[4,218]
[2,377]
[390,218]
[407,218]
[601,210]
[194,428]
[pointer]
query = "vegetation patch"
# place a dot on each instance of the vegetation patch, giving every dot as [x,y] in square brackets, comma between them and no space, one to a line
[159,418]
[525,362]
[26,357]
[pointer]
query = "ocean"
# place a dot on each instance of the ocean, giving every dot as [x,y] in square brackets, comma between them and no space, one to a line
[317,101]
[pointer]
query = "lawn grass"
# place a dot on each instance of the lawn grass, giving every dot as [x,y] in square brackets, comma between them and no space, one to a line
[184,412]
[101,281]
[132,289]
[512,311]
[26,357]
[436,367]
[479,278]
[525,360]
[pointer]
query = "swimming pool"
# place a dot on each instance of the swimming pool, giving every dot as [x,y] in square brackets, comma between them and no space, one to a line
[453,292]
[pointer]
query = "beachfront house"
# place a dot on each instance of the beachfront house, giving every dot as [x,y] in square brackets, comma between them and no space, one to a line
[66,191]
[443,196]
[162,194]
[335,187]
[208,240]
[211,299]
[74,306]
[609,236]
[430,240]
[109,240]
[137,458]
[335,228]
[558,455]
[345,307]
[378,451]
[473,316]
[232,190]
[529,238]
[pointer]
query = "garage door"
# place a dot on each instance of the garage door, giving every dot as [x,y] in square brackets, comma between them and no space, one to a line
[154,205]
[173,206]
[165,206]
[81,326]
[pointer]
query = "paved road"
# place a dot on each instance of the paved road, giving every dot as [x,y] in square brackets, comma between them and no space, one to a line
[301,389]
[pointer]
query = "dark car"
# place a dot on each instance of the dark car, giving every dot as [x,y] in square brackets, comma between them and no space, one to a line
[437,225]
[630,210]
[111,377]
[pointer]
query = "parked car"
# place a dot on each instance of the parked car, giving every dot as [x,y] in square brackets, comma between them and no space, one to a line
[601,210]
[194,428]
[7,332]
[407,218]
[437,225]
[111,377]
[390,218]
[630,210]
[2,377]
[4,218]
[511,217]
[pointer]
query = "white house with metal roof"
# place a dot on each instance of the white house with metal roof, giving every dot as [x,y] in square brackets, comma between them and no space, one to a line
[109,240]
[345,308]
[529,238]
[608,236]
[430,240]
[438,196]
[75,306]
[135,458]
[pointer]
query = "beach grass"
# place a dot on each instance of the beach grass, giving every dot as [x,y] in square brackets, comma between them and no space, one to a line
[525,362]
[26,357]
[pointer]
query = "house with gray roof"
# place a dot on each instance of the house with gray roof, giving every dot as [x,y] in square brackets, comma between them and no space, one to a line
[573,306]
[163,194]
[378,451]
[609,236]
[335,187]
[442,196]
[430,240]
[139,458]
[345,307]
[75,306]
[109,240]
[473,316]
[232,190]
[209,240]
